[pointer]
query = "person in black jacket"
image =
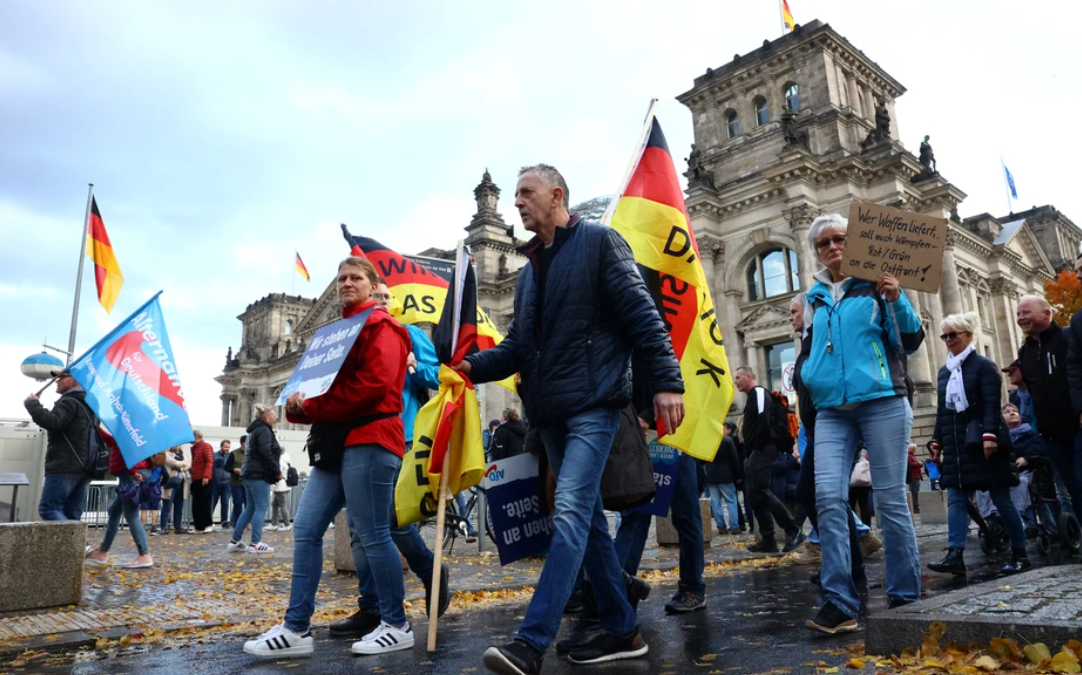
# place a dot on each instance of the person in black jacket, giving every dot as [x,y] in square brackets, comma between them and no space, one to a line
[967,437]
[67,455]
[580,308]
[509,439]
[723,476]
[261,470]
[1046,366]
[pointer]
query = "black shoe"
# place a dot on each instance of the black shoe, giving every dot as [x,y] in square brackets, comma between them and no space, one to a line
[516,658]
[360,624]
[574,604]
[605,648]
[637,590]
[832,620]
[895,603]
[815,579]
[585,630]
[763,547]
[1019,563]
[793,541]
[952,563]
[686,601]
[445,591]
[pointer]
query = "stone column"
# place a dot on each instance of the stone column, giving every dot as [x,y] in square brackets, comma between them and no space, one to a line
[755,352]
[950,288]
[1004,291]
[800,218]
[225,410]
[918,365]
[734,348]
[854,97]
[244,408]
[869,105]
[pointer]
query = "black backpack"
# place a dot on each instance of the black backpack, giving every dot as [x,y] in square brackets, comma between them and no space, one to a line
[96,463]
[778,408]
[292,477]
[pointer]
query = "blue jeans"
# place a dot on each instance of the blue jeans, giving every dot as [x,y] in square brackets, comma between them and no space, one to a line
[724,494]
[884,424]
[958,517]
[460,500]
[240,498]
[257,496]
[176,505]
[131,514]
[577,451]
[63,496]
[222,491]
[365,486]
[687,520]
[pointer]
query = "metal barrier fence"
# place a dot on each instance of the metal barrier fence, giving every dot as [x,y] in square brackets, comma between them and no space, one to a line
[101,495]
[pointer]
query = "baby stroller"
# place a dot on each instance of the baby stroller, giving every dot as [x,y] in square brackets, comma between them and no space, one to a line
[1049,528]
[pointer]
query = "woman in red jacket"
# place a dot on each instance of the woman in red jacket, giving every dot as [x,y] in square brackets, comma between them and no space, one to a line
[363,406]
[130,479]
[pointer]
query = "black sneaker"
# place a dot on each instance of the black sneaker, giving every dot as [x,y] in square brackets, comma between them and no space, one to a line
[605,648]
[574,604]
[1019,563]
[832,620]
[445,591]
[637,590]
[586,629]
[516,658]
[686,601]
[357,626]
[763,547]
[794,541]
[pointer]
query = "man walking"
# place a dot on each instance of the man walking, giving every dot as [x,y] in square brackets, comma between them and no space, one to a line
[233,465]
[202,475]
[222,490]
[762,443]
[580,307]
[67,455]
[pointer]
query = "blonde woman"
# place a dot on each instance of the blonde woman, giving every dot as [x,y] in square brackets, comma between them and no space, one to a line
[259,472]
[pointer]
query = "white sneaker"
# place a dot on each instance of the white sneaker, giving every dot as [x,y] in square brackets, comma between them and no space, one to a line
[287,528]
[236,547]
[270,528]
[385,639]
[260,548]
[280,641]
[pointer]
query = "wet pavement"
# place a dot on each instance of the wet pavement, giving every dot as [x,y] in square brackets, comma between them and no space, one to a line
[753,624]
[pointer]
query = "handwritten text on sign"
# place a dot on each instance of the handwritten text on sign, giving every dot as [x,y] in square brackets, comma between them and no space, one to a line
[904,244]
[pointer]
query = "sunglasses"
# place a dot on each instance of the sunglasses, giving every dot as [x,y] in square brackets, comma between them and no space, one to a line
[950,336]
[837,240]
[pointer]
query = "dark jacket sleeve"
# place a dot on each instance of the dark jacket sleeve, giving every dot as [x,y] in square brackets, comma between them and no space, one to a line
[990,383]
[497,363]
[56,419]
[1074,361]
[734,459]
[230,464]
[941,409]
[630,303]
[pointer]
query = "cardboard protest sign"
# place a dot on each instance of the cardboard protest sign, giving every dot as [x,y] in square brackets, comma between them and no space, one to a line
[905,244]
[513,491]
[666,462]
[323,357]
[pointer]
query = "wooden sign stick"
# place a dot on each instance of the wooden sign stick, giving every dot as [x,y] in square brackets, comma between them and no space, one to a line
[437,563]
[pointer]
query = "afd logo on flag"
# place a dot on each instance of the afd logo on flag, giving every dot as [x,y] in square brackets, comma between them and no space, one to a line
[131,383]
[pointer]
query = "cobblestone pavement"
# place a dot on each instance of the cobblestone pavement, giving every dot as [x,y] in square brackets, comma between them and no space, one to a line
[1054,595]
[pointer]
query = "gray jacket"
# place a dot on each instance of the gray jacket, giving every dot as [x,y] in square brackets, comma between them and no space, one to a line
[69,419]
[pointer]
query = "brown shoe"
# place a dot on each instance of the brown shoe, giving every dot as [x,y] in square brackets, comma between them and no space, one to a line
[812,555]
[870,544]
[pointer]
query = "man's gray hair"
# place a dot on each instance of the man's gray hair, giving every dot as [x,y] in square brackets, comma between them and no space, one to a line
[550,177]
[830,221]
[747,371]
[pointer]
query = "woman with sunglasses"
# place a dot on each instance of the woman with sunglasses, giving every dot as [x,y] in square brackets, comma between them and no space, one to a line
[966,442]
[856,336]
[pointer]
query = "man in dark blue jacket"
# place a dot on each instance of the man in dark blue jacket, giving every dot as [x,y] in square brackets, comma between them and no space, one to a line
[580,307]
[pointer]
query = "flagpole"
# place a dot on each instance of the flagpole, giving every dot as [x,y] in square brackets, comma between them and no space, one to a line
[781,15]
[643,136]
[294,292]
[79,277]
[1006,186]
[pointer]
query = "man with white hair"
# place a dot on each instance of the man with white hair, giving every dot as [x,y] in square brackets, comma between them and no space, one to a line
[1043,359]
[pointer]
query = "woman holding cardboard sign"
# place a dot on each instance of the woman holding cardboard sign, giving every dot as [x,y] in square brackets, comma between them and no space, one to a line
[357,442]
[856,335]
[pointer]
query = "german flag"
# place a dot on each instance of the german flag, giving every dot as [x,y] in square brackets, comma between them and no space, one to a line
[651,215]
[298,265]
[100,250]
[787,16]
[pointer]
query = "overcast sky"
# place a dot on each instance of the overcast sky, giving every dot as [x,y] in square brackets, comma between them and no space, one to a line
[221,136]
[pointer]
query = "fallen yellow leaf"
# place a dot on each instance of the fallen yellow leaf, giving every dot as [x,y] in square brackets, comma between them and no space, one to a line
[1065,662]
[986,663]
[1035,653]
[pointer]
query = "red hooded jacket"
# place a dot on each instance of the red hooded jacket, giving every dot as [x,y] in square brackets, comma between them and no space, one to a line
[369,383]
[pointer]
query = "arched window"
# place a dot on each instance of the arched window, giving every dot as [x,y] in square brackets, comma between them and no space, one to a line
[732,124]
[792,97]
[762,112]
[289,327]
[773,272]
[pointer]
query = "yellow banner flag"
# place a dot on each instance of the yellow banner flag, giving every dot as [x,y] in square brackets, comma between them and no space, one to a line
[651,215]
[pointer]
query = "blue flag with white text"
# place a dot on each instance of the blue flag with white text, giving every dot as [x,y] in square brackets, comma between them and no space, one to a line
[1010,182]
[131,383]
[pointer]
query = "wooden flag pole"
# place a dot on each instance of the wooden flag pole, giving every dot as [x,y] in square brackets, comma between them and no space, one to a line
[437,562]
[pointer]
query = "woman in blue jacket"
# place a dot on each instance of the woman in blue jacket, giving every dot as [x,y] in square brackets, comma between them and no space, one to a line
[856,336]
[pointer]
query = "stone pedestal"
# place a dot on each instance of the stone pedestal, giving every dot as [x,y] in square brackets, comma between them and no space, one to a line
[26,549]
[666,534]
[933,507]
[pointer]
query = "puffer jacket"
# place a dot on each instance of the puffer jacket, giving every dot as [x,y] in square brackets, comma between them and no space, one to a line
[1045,369]
[725,467]
[263,453]
[573,345]
[509,440]
[961,466]
[1029,445]
[68,422]
[856,346]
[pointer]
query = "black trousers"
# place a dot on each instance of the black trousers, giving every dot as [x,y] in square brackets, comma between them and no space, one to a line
[201,496]
[758,471]
[805,492]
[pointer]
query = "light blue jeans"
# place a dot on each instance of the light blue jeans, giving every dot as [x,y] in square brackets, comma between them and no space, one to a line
[885,424]
[862,529]
[364,484]
[724,494]
[577,451]
[131,514]
[256,502]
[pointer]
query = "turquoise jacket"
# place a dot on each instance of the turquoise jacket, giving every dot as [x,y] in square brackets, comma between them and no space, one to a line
[856,346]
[415,392]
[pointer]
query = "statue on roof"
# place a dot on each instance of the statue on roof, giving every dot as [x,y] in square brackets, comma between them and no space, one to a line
[696,174]
[881,132]
[927,157]
[789,131]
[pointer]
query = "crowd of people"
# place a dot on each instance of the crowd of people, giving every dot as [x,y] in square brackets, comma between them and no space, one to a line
[596,370]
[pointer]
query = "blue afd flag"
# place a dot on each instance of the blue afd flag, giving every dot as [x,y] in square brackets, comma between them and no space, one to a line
[131,382]
[1010,182]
